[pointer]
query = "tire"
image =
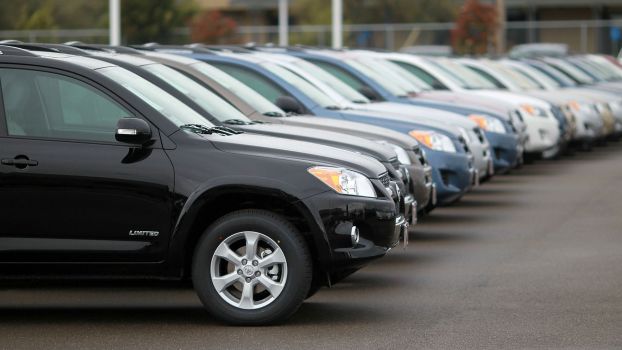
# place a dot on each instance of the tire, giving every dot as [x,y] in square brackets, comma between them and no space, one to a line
[290,277]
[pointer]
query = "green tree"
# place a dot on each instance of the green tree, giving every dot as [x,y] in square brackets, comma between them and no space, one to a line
[376,11]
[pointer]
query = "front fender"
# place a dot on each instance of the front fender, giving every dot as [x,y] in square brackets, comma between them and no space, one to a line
[213,192]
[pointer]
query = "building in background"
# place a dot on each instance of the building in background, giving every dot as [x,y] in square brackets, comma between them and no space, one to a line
[579,35]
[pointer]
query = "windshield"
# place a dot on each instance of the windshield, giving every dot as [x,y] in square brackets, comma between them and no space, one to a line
[381,69]
[307,88]
[572,72]
[463,76]
[553,74]
[405,74]
[170,107]
[209,101]
[613,71]
[517,78]
[241,90]
[330,80]
[591,70]
[394,89]
[537,85]
[541,78]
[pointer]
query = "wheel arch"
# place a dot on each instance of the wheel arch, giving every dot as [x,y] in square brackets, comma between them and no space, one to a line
[209,205]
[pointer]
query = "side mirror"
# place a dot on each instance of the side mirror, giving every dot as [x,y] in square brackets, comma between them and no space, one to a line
[133,130]
[369,93]
[289,104]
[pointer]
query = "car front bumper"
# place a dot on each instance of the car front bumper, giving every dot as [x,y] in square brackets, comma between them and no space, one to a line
[452,174]
[506,150]
[421,184]
[379,224]
[543,135]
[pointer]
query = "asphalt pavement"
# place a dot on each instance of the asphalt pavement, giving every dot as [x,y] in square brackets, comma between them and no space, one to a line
[530,260]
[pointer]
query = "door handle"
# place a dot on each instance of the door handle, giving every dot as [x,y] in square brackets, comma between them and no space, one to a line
[19,162]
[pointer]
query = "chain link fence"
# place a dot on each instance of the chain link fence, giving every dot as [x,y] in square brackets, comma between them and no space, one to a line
[580,35]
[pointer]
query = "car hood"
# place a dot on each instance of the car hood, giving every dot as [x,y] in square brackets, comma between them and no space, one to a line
[367,131]
[419,120]
[421,112]
[458,107]
[329,138]
[501,106]
[312,153]
[516,99]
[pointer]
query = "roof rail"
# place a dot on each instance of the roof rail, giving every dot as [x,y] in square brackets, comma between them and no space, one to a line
[62,48]
[173,48]
[231,48]
[6,50]
[107,48]
[10,41]
[33,47]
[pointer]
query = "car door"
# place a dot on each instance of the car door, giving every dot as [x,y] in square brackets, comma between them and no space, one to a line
[69,191]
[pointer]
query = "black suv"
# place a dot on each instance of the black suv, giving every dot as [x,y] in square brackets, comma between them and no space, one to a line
[103,174]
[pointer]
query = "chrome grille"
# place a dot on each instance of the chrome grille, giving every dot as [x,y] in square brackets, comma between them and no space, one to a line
[479,133]
[384,178]
[419,152]
[395,163]
[464,145]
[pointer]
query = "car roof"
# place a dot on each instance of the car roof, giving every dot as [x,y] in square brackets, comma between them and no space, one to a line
[138,61]
[169,56]
[87,62]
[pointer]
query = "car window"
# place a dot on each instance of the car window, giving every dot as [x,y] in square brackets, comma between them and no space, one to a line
[173,109]
[250,96]
[206,99]
[342,88]
[423,75]
[498,84]
[255,80]
[396,89]
[310,90]
[340,73]
[42,104]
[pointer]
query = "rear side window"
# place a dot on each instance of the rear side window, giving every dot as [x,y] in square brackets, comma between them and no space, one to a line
[254,80]
[48,105]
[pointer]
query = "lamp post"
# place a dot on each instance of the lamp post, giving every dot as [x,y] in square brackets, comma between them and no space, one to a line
[114,14]
[337,23]
[283,23]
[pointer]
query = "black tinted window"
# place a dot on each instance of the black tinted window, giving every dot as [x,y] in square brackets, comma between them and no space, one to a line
[41,104]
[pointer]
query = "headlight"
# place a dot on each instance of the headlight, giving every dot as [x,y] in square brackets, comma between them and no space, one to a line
[344,181]
[533,110]
[574,106]
[489,124]
[402,156]
[434,140]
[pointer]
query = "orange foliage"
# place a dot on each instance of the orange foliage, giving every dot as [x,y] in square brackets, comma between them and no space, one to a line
[211,27]
[475,26]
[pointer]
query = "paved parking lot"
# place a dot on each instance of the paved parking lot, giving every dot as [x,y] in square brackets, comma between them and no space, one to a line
[529,260]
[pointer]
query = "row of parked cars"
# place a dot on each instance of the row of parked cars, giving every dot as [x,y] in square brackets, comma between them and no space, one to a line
[263,173]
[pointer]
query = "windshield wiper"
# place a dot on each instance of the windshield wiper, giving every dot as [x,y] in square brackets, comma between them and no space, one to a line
[333,108]
[363,102]
[273,114]
[236,122]
[202,129]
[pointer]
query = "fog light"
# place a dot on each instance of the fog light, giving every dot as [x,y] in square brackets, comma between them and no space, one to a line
[355,235]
